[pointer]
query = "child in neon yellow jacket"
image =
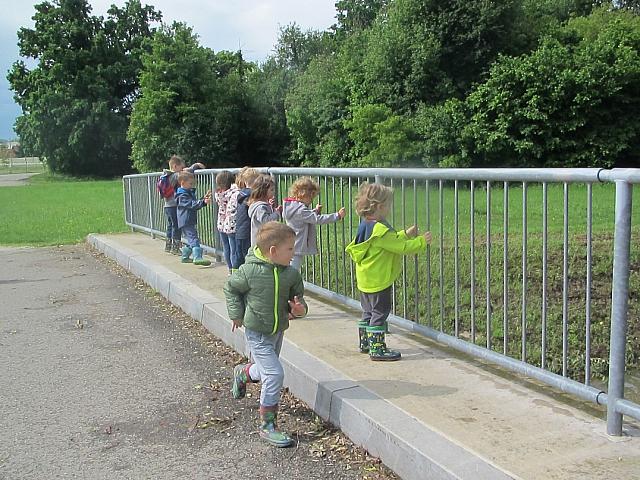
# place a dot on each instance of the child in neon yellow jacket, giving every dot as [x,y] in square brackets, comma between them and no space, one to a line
[377,251]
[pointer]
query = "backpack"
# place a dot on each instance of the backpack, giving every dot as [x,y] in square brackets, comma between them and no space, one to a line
[165,187]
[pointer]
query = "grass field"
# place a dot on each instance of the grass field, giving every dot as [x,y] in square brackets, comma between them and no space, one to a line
[53,210]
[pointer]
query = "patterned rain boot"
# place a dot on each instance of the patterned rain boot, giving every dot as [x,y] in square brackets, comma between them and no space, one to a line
[269,430]
[362,335]
[168,244]
[378,351]
[197,257]
[176,248]
[240,379]
[186,253]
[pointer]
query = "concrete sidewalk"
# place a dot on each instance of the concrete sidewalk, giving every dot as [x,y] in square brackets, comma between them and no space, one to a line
[433,415]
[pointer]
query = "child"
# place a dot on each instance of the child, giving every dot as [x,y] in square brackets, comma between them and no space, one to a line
[176,165]
[245,180]
[262,295]
[377,252]
[297,213]
[188,206]
[261,201]
[227,199]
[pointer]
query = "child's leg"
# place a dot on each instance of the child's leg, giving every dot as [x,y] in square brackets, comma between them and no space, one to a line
[173,213]
[242,245]
[233,251]
[380,303]
[367,308]
[226,248]
[169,234]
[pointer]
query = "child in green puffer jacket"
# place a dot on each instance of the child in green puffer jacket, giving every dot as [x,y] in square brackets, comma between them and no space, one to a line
[263,294]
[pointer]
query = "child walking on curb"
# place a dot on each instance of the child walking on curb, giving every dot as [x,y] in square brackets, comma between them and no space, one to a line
[377,251]
[261,202]
[170,176]
[227,199]
[188,206]
[262,295]
[299,215]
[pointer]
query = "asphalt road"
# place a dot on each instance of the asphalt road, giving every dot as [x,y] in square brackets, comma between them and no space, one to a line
[15,179]
[100,378]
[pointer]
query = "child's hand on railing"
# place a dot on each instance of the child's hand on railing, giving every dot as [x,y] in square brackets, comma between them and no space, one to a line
[427,236]
[342,213]
[412,231]
[278,209]
[318,208]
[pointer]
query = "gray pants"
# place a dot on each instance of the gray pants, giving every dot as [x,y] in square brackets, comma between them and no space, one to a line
[376,307]
[265,352]
[296,261]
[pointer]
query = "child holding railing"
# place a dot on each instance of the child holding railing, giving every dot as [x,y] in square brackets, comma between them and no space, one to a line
[377,251]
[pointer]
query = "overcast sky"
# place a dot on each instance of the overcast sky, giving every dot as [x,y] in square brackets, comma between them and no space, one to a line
[250,25]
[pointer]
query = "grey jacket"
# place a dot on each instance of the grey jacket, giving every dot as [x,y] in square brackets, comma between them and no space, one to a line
[260,213]
[303,221]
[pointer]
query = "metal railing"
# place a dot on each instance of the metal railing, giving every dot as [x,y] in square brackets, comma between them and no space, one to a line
[522,271]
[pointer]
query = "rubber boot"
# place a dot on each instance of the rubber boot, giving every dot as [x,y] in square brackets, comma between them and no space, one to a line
[362,335]
[176,248]
[240,379]
[378,351]
[186,253]
[269,430]
[168,244]
[197,257]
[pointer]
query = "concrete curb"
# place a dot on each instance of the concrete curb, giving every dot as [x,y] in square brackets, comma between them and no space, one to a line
[404,444]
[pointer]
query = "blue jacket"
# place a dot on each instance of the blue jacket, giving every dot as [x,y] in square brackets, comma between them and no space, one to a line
[188,206]
[243,222]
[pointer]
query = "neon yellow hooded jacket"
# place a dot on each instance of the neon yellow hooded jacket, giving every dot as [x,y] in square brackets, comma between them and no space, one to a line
[378,258]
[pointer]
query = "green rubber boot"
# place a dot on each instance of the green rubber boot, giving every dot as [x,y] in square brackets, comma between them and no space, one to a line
[362,336]
[268,429]
[186,253]
[197,257]
[378,351]
[240,379]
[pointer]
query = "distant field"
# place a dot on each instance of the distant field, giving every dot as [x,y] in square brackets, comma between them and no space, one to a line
[55,210]
[28,168]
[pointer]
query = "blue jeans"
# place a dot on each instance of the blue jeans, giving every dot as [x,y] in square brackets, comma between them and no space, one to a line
[173,232]
[229,248]
[190,233]
[265,352]
[242,247]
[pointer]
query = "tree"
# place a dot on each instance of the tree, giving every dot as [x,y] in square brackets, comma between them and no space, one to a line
[77,101]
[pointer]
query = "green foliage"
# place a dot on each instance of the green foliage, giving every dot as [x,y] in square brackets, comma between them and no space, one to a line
[77,101]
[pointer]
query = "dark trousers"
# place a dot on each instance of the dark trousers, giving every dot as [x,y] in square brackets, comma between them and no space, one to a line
[173,232]
[190,233]
[242,247]
[376,307]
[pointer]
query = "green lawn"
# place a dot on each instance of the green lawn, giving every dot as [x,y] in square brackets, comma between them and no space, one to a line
[55,210]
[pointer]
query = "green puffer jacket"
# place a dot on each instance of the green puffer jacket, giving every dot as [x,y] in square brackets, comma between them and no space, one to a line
[259,293]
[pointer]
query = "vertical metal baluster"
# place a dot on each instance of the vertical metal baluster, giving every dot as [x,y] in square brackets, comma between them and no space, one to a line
[344,243]
[587,327]
[565,283]
[393,222]
[524,271]
[153,235]
[505,272]
[416,298]
[334,256]
[327,260]
[353,292]
[488,272]
[130,202]
[428,210]
[321,258]
[456,271]
[473,261]
[543,347]
[404,257]
[440,213]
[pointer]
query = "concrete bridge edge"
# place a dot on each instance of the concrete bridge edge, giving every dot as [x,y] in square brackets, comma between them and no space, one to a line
[407,446]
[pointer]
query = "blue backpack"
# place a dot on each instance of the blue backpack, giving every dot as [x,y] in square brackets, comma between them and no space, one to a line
[165,187]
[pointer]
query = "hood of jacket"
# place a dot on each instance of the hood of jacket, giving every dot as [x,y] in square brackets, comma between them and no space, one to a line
[290,207]
[255,205]
[368,231]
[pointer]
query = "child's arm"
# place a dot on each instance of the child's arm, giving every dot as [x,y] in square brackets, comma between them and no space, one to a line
[262,215]
[235,289]
[297,306]
[189,203]
[308,215]
[400,243]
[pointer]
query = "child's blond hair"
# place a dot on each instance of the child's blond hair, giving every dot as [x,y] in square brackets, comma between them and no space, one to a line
[185,175]
[246,177]
[175,160]
[272,234]
[304,187]
[260,188]
[371,196]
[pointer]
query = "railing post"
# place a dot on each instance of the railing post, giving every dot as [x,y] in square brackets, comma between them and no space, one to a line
[619,305]
[153,235]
